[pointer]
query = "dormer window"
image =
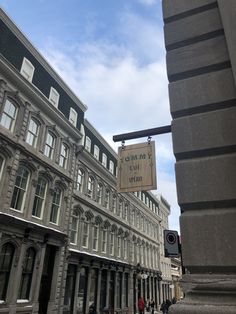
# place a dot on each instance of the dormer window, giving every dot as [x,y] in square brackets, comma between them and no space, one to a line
[27,69]
[96,152]
[104,160]
[111,167]
[88,144]
[54,97]
[73,116]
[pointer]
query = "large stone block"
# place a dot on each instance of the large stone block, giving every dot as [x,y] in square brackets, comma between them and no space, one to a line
[206,244]
[199,91]
[201,54]
[205,132]
[174,7]
[192,26]
[204,180]
[228,13]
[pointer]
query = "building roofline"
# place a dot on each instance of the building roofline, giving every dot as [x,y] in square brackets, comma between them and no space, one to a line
[27,43]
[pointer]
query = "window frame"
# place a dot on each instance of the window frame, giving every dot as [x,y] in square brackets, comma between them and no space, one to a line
[27,275]
[104,241]
[18,188]
[85,236]
[80,183]
[73,114]
[96,152]
[48,146]
[104,160]
[32,134]
[6,271]
[27,75]
[7,115]
[90,186]
[111,166]
[55,207]
[63,157]
[95,237]
[74,230]
[43,198]
[54,93]
[88,143]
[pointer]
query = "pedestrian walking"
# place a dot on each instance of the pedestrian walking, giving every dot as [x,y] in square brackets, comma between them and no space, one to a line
[141,305]
[152,306]
[164,308]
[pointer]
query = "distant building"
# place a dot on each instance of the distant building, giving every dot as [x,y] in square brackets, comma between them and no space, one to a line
[165,263]
[176,274]
[67,239]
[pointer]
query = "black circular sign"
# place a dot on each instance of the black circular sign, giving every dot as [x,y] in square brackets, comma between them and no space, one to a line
[171,238]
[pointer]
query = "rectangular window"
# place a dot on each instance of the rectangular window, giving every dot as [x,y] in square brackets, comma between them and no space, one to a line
[119,246]
[8,117]
[74,228]
[73,116]
[54,97]
[27,69]
[88,144]
[55,208]
[95,237]
[63,156]
[85,234]
[49,146]
[96,152]
[32,134]
[111,167]
[107,199]
[19,193]
[39,198]
[112,244]
[104,160]
[104,241]
[125,249]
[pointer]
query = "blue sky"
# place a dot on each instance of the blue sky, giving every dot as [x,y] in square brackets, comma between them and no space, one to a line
[111,54]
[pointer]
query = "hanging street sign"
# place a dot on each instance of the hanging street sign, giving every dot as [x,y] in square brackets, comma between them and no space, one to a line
[171,243]
[136,167]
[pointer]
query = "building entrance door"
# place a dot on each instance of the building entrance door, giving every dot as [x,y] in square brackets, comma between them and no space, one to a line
[46,280]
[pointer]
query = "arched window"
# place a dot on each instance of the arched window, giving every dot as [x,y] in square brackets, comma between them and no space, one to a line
[19,193]
[118,246]
[99,193]
[32,134]
[104,240]
[80,180]
[55,208]
[107,199]
[74,227]
[126,212]
[39,198]
[90,186]
[114,203]
[2,162]
[49,145]
[6,257]
[85,239]
[63,156]
[27,274]
[120,208]
[8,117]
[95,237]
[112,242]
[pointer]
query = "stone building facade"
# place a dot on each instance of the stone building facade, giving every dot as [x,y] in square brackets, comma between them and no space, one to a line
[201,67]
[67,238]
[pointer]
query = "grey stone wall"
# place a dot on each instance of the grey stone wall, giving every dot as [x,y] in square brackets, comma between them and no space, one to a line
[200,40]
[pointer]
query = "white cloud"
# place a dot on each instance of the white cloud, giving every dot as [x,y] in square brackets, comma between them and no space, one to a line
[122,93]
[147,2]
